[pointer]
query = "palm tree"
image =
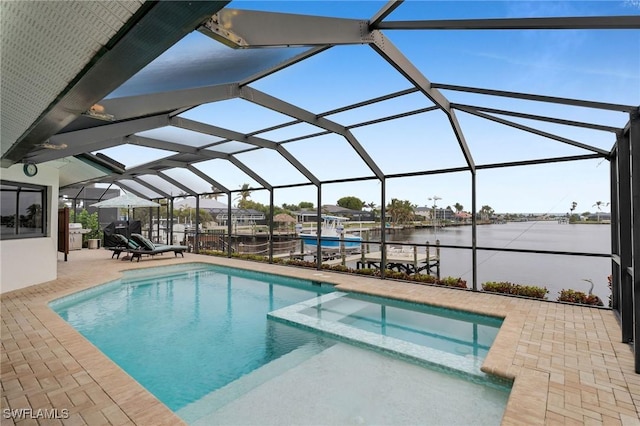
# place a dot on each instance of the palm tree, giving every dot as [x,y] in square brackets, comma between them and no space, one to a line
[486,212]
[214,195]
[599,204]
[243,195]
[372,207]
[400,211]
[572,219]
[459,207]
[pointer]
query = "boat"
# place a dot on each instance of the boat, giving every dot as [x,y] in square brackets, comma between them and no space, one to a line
[331,234]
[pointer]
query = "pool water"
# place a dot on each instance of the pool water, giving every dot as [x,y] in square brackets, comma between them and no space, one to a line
[174,332]
[217,346]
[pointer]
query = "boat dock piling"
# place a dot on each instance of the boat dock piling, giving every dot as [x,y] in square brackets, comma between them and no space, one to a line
[406,258]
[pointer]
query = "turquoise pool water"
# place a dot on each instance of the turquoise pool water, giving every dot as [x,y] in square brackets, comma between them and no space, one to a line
[440,338]
[183,334]
[220,345]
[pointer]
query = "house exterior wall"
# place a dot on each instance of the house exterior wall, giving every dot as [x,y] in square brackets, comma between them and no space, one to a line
[29,261]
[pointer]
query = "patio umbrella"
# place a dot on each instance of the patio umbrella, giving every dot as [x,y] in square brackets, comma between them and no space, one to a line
[125,201]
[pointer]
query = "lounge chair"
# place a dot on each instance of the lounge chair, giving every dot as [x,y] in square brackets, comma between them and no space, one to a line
[150,248]
[123,244]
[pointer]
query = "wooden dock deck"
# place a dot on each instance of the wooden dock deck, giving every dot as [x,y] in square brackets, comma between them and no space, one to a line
[405,259]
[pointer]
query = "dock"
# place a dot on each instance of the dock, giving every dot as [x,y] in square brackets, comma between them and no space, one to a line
[404,259]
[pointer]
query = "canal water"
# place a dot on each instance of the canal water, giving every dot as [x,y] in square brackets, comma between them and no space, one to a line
[556,272]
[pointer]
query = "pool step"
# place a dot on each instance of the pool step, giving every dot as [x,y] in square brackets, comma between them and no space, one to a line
[234,390]
[347,308]
[301,315]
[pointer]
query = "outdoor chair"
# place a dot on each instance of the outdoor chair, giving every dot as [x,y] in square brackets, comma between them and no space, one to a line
[146,246]
[123,244]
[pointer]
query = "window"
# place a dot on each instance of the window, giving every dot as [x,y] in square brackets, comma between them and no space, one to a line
[22,210]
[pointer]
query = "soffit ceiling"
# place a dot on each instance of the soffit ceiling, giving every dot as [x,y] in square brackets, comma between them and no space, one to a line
[204,107]
[45,45]
[60,58]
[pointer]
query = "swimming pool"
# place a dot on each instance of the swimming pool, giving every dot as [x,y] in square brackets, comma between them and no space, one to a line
[199,338]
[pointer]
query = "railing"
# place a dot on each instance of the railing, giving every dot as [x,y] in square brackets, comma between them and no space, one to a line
[279,247]
[208,240]
[219,240]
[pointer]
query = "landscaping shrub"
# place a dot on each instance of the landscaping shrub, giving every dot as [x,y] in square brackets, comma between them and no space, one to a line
[532,291]
[427,279]
[498,287]
[572,296]
[452,282]
[303,263]
[396,275]
[515,289]
[337,268]
[213,253]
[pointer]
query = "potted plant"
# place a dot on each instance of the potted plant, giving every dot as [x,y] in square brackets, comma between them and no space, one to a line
[89,221]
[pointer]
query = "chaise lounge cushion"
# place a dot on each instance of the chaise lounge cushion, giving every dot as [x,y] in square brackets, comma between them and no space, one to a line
[125,242]
[122,244]
[149,248]
[143,242]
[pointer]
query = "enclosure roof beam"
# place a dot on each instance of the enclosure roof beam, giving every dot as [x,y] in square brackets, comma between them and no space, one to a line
[214,183]
[211,130]
[602,152]
[150,186]
[384,11]
[49,154]
[152,167]
[129,189]
[176,183]
[540,98]
[297,164]
[109,131]
[249,29]
[339,110]
[367,102]
[239,164]
[309,136]
[165,102]
[395,58]
[548,23]
[540,161]
[172,164]
[161,144]
[78,192]
[538,117]
[248,139]
[352,126]
[282,107]
[393,117]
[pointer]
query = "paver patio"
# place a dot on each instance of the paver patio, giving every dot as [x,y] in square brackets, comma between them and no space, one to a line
[567,362]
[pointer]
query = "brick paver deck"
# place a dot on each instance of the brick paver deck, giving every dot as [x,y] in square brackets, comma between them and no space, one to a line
[567,362]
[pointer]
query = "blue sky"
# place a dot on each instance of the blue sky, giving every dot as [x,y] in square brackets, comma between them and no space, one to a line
[598,65]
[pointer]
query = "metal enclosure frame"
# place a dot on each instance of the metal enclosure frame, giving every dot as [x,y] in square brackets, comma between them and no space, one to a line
[239,29]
